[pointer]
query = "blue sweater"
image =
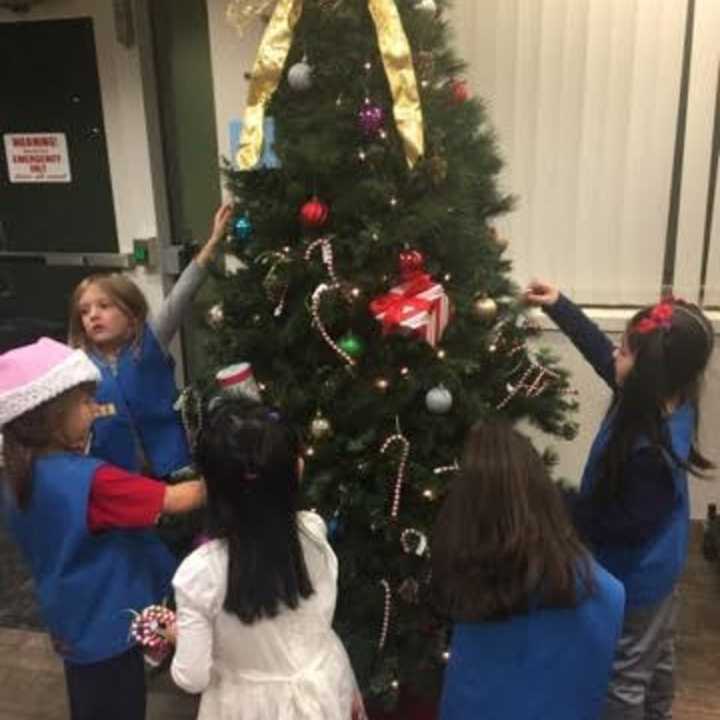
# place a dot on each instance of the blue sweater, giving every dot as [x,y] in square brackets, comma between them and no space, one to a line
[552,664]
[87,584]
[640,537]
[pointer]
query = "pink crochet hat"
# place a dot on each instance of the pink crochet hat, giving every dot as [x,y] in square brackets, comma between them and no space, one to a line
[33,374]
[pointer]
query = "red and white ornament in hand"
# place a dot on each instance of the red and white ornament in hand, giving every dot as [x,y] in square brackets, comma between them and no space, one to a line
[148,630]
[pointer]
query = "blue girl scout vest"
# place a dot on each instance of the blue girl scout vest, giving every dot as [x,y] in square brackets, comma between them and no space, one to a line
[550,664]
[650,571]
[87,583]
[137,415]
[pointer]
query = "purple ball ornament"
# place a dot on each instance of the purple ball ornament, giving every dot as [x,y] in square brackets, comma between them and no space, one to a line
[371,119]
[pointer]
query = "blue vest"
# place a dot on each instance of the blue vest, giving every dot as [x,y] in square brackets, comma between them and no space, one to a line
[552,664]
[142,391]
[650,571]
[87,584]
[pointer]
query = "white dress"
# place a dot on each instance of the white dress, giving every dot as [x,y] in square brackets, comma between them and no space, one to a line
[290,667]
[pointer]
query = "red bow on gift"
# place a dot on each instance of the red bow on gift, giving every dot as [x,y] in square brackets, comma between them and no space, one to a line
[395,306]
[660,317]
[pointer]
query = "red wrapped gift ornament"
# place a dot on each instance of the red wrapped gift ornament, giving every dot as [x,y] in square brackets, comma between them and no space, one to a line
[418,306]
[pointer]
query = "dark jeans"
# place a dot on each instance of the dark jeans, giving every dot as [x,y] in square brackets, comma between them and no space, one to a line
[112,689]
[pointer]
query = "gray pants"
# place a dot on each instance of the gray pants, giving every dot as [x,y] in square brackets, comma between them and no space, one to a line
[642,684]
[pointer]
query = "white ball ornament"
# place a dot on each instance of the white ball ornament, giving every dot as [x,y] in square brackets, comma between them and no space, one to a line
[300,76]
[439,400]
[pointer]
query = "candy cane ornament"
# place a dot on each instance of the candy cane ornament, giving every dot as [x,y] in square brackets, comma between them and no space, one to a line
[398,438]
[386,615]
[317,295]
[327,256]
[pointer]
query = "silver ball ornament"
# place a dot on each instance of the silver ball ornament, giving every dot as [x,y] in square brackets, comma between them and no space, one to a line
[300,76]
[439,400]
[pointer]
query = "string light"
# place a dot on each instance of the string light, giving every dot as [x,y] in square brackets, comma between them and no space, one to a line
[393,201]
[428,494]
[405,371]
[446,656]
[382,384]
[441,354]
[310,451]
[355,292]
[362,156]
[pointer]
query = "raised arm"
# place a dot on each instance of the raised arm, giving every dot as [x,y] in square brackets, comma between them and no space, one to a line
[167,321]
[587,337]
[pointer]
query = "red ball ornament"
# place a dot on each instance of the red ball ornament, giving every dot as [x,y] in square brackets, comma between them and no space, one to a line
[411,263]
[314,213]
[460,91]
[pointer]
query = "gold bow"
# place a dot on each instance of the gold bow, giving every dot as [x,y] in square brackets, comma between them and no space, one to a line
[271,57]
[241,13]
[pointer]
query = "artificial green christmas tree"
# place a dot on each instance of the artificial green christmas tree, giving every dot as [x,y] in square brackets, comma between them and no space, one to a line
[373,299]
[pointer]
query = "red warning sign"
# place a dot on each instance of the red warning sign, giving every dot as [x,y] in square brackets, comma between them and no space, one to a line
[37,157]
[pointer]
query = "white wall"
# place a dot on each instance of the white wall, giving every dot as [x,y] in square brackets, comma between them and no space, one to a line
[124,116]
[231,57]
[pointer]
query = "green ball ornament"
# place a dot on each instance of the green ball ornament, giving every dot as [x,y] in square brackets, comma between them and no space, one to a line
[352,345]
[243,228]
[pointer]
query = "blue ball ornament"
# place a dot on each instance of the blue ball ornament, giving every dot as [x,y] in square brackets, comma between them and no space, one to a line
[242,229]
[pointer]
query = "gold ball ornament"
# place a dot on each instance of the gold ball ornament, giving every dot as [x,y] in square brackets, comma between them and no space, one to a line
[485,308]
[320,427]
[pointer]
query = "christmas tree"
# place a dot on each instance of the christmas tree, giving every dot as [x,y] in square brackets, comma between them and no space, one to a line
[373,298]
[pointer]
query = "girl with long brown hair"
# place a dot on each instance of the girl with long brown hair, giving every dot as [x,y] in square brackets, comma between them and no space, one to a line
[535,620]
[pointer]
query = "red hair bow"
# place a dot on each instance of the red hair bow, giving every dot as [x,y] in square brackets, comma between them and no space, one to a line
[660,317]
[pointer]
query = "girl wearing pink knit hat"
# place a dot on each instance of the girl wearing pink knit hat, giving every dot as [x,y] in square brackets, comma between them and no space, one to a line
[83,526]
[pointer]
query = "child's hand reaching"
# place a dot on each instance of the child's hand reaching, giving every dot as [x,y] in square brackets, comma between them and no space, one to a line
[219,228]
[540,293]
